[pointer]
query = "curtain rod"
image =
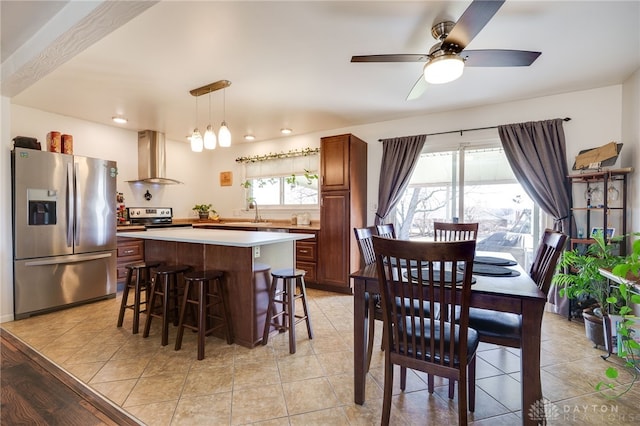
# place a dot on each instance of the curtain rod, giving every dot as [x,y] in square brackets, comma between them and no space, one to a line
[466,130]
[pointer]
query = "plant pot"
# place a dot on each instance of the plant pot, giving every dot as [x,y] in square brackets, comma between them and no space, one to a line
[203,215]
[593,327]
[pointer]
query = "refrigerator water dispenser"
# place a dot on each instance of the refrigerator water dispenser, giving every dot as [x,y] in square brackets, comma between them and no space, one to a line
[42,206]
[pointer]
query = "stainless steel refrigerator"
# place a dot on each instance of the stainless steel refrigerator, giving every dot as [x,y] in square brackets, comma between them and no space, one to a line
[64,230]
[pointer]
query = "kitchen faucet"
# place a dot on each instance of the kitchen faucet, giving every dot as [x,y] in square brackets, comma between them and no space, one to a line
[254,205]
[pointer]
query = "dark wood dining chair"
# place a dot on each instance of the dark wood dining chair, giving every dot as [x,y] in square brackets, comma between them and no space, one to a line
[422,340]
[386,230]
[505,328]
[365,244]
[445,231]
[367,256]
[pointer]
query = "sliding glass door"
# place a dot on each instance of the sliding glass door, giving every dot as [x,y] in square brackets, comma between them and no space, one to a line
[471,182]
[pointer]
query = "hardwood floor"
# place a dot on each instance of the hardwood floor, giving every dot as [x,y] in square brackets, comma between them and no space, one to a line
[37,392]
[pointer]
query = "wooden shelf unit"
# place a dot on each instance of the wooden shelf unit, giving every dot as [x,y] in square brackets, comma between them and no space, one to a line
[605,213]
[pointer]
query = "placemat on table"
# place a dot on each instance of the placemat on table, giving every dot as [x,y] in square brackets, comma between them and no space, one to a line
[447,276]
[492,260]
[493,271]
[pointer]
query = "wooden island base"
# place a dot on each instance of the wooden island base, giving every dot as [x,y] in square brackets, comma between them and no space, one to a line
[245,257]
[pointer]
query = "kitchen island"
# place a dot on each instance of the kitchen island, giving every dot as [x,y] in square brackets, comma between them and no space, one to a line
[246,257]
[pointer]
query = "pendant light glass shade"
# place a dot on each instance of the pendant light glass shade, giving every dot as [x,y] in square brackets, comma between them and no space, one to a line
[196,137]
[443,69]
[224,135]
[196,141]
[209,138]
[209,135]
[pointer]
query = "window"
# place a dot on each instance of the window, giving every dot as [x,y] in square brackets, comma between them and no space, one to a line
[285,182]
[291,190]
[469,183]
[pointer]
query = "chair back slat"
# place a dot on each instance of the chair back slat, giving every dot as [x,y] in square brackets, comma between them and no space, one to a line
[444,231]
[544,264]
[415,274]
[386,230]
[365,244]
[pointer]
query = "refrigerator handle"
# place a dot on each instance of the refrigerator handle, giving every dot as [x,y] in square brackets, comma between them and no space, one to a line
[58,260]
[77,207]
[70,204]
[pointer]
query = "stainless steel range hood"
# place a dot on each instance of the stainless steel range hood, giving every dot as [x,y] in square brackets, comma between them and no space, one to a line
[152,159]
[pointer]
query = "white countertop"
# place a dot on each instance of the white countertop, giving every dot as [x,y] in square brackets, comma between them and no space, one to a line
[219,237]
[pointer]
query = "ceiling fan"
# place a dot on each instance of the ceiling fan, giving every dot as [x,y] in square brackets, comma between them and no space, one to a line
[447,58]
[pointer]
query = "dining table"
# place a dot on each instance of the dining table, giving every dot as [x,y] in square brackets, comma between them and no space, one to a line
[515,292]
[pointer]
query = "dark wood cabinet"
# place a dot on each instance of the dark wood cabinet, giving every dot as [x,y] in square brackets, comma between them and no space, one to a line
[343,206]
[129,250]
[307,256]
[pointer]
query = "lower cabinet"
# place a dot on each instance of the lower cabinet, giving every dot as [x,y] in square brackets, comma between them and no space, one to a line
[130,250]
[307,255]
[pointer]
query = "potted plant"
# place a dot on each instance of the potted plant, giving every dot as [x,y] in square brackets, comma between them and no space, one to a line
[580,277]
[627,299]
[203,210]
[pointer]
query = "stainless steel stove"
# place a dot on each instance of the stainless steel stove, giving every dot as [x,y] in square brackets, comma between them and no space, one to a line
[153,217]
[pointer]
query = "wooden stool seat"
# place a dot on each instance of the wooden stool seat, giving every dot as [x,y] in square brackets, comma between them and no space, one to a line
[291,278]
[205,290]
[165,289]
[141,282]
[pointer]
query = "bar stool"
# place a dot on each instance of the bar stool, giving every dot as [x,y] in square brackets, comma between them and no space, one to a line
[165,286]
[204,290]
[141,282]
[292,278]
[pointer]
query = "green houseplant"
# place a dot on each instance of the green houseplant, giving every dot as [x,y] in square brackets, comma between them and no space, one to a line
[203,210]
[628,330]
[580,277]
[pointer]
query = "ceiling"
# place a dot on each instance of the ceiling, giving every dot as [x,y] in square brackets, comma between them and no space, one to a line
[289,62]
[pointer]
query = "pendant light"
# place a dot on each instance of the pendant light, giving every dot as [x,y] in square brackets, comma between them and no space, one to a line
[224,135]
[196,138]
[209,135]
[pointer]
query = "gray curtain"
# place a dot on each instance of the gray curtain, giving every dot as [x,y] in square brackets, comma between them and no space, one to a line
[399,158]
[536,152]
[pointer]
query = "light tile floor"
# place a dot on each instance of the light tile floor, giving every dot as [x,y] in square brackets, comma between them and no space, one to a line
[268,386]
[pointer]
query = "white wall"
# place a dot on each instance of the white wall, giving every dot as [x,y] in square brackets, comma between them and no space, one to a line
[631,138]
[597,118]
[6,237]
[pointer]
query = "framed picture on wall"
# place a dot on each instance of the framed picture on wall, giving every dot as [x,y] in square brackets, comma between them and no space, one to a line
[226,178]
[610,232]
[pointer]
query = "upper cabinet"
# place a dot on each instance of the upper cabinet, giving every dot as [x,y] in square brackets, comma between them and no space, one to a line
[334,162]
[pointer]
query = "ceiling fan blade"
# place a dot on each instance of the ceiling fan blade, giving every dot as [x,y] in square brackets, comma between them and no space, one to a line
[418,89]
[390,58]
[498,58]
[472,21]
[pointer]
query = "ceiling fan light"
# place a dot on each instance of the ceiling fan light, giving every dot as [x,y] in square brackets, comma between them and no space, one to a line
[209,138]
[224,135]
[443,69]
[196,141]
